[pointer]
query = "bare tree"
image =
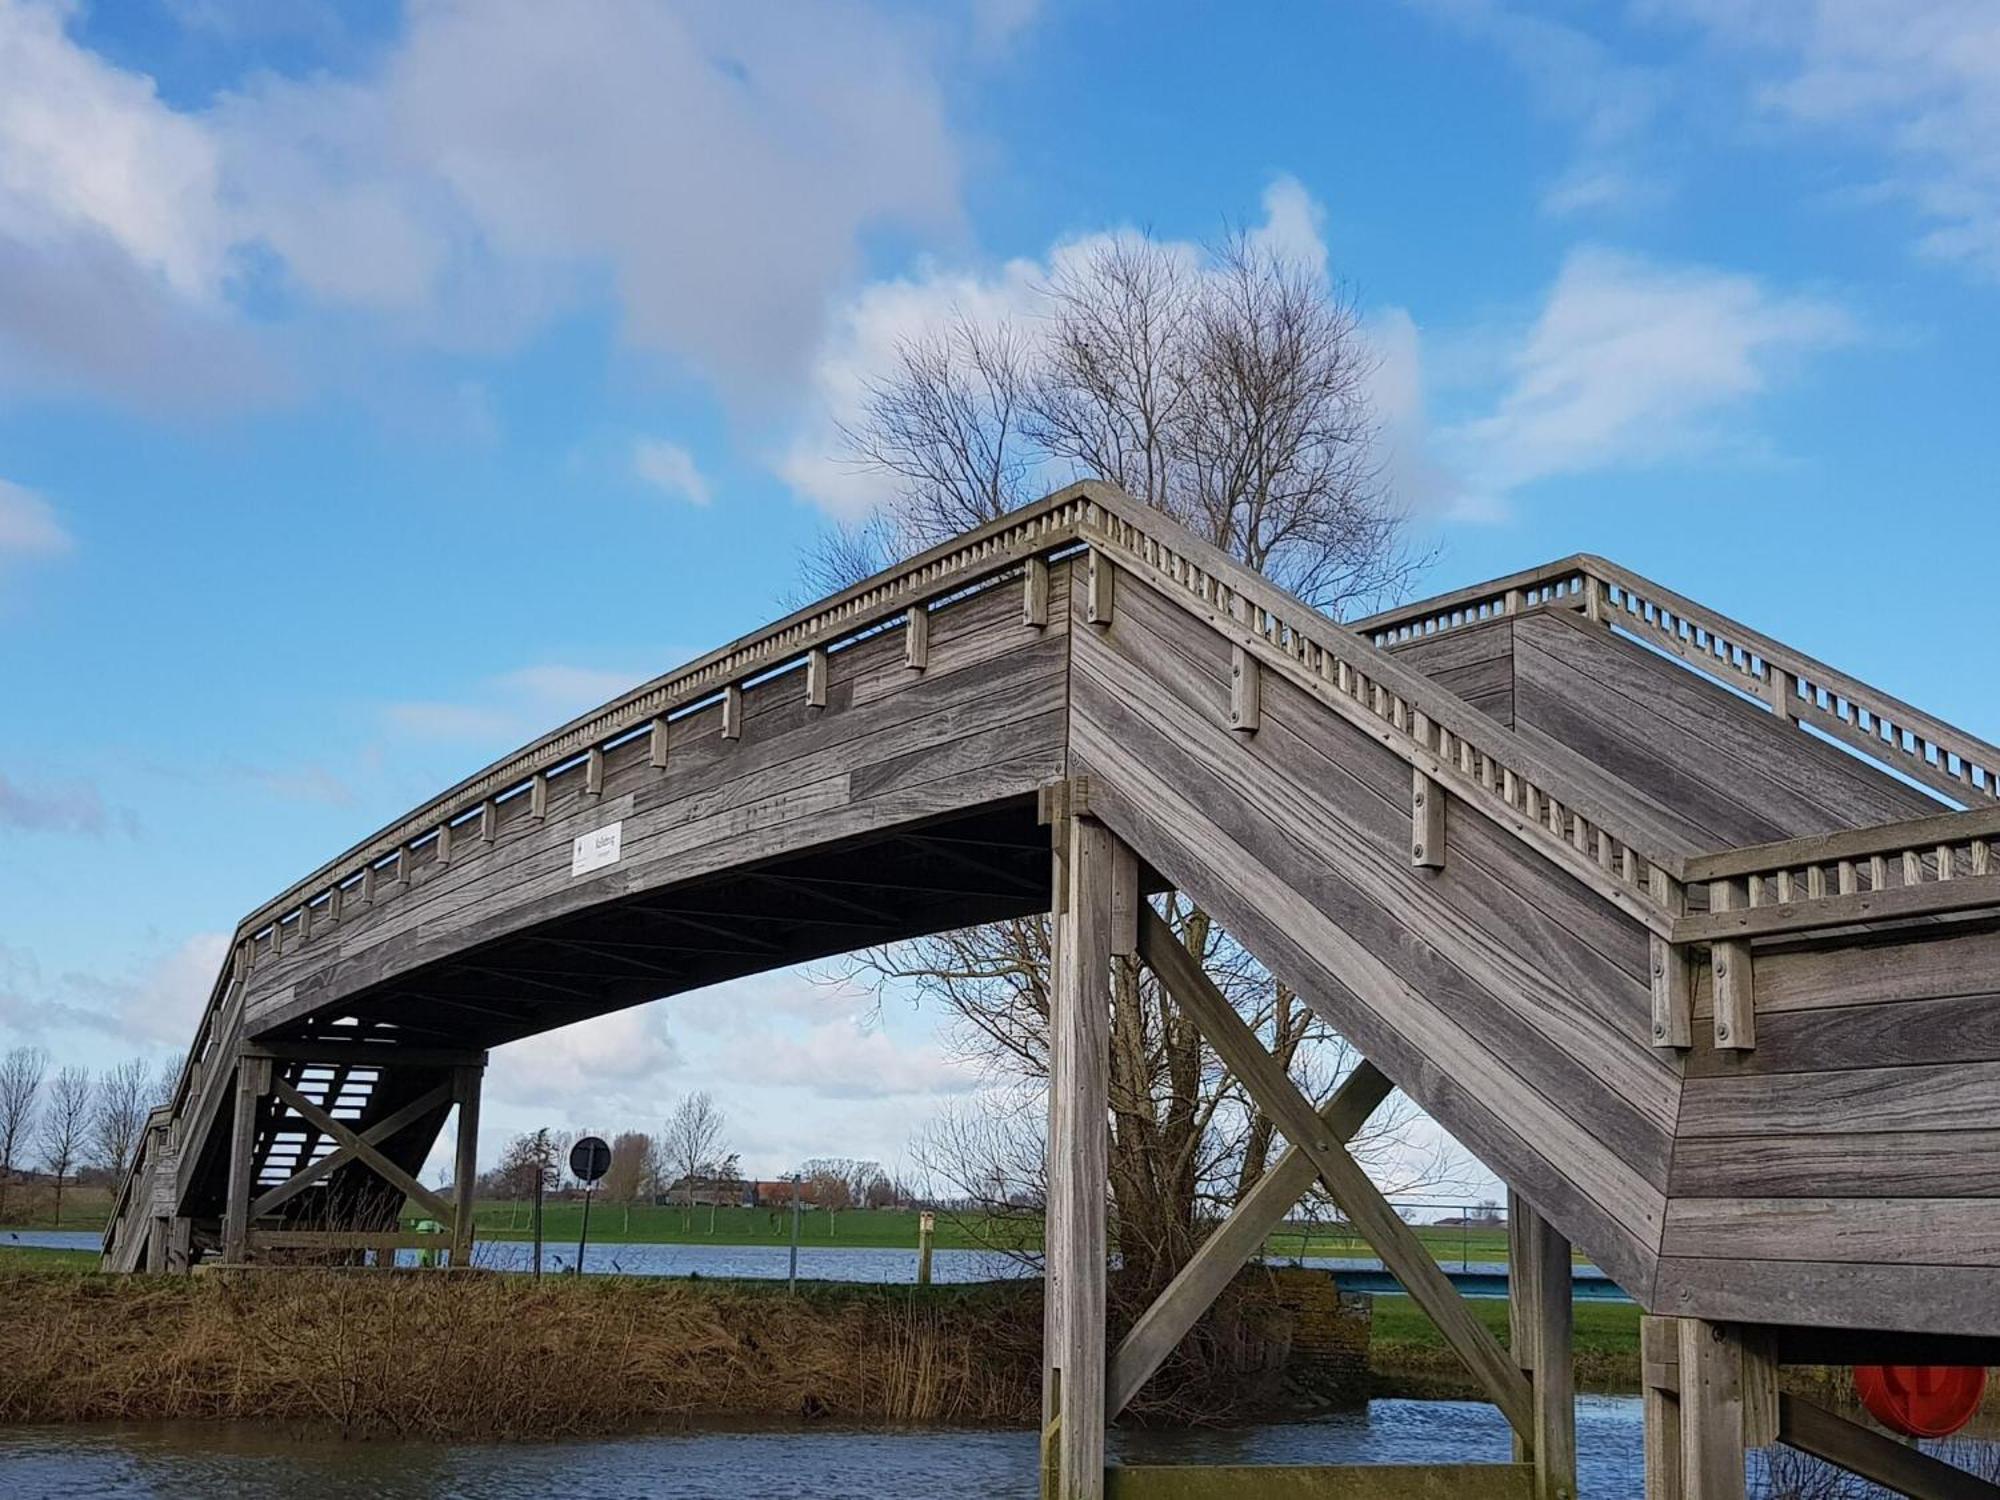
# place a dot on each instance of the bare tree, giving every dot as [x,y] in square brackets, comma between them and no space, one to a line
[693,1143]
[65,1124]
[21,1074]
[625,1181]
[119,1114]
[1228,390]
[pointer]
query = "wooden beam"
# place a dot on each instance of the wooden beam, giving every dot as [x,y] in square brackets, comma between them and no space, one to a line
[364,1054]
[1402,1253]
[253,1081]
[1426,822]
[1660,1396]
[1257,1213]
[1100,586]
[656,743]
[465,1165]
[1734,975]
[917,639]
[342,1135]
[1318,1482]
[1877,905]
[377,1133]
[1549,1335]
[346,1239]
[1813,1429]
[1078,1155]
[816,670]
[732,712]
[1712,1446]
[1246,691]
[1035,593]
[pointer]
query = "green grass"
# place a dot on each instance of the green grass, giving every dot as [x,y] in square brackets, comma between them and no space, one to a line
[1601,1327]
[858,1228]
[23,1258]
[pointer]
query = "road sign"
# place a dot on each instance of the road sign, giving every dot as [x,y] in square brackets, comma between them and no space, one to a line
[589,1158]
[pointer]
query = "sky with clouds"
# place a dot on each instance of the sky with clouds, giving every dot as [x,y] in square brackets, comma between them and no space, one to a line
[381,384]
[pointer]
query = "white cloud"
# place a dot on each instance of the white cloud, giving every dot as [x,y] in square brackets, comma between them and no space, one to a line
[155,1005]
[1916,80]
[611,1066]
[1631,362]
[709,168]
[1293,226]
[28,525]
[72,807]
[669,468]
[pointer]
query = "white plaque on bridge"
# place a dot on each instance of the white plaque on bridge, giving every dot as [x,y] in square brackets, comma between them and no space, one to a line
[596,849]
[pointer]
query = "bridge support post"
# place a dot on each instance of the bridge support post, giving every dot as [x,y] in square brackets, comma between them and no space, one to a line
[1541,1319]
[1073,1332]
[253,1082]
[465,1168]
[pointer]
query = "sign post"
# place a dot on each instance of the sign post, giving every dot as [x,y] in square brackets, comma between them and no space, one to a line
[794,1278]
[589,1159]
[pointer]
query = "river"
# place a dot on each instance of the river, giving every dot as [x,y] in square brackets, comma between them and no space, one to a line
[248,1462]
[828,1262]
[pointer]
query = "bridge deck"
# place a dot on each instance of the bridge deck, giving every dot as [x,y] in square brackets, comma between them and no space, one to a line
[867,770]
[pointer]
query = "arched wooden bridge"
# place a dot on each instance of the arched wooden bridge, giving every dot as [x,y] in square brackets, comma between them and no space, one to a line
[1692,939]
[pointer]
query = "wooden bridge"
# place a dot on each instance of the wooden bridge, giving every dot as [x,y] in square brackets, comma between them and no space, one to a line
[1692,939]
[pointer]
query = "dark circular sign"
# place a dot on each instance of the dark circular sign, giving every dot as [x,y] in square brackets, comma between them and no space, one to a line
[589,1158]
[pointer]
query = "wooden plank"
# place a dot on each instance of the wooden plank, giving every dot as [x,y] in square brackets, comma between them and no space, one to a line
[1961,1029]
[1035,593]
[1215,1264]
[1711,1402]
[1318,1482]
[1402,1253]
[1813,1429]
[1848,1102]
[816,671]
[1830,1294]
[1427,815]
[917,639]
[1885,1164]
[1872,969]
[1874,1230]
[1078,1155]
[365,1054]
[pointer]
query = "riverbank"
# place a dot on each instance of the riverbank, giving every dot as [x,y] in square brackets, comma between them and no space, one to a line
[482,1355]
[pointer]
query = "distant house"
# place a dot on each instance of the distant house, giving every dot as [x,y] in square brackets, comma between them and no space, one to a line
[725,1192]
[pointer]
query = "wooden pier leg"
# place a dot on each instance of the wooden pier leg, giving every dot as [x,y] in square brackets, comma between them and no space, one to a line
[1078,1162]
[253,1082]
[1712,1442]
[465,1167]
[1541,1320]
[1660,1385]
[156,1246]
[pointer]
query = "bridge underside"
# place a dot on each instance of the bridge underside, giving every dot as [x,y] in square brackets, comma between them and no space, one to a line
[1499,843]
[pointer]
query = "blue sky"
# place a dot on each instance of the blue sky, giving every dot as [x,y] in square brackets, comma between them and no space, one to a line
[380,384]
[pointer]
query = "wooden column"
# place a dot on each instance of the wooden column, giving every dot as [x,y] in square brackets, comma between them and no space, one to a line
[253,1082]
[1712,1440]
[156,1246]
[465,1169]
[1078,1161]
[1547,1341]
[1660,1386]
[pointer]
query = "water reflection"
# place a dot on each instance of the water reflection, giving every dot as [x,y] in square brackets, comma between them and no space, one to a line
[128,1463]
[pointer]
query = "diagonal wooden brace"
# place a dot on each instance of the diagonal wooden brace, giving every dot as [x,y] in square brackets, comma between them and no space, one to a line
[1402,1253]
[1235,1240]
[384,1168]
[374,1135]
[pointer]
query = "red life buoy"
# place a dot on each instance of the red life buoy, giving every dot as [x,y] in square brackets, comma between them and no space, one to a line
[1926,1401]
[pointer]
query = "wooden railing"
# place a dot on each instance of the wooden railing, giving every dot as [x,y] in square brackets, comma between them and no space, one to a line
[1919,867]
[1892,733]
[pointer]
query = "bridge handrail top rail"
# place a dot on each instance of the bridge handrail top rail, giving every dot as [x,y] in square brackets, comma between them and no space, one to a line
[1846,843]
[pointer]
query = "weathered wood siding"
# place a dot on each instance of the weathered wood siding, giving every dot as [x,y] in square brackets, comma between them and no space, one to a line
[1476,662]
[1847,1171]
[983,721]
[1725,769]
[1501,995]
